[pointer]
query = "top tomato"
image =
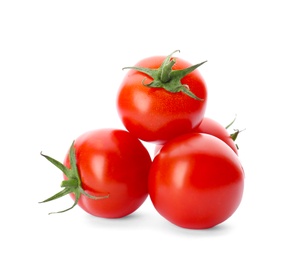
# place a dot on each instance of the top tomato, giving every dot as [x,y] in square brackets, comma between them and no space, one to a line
[161,98]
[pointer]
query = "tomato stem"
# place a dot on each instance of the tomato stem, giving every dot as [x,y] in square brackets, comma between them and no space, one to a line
[230,124]
[167,78]
[69,183]
[236,132]
[166,68]
[73,183]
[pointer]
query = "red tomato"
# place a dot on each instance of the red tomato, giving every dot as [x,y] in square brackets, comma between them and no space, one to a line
[196,181]
[156,109]
[113,165]
[211,127]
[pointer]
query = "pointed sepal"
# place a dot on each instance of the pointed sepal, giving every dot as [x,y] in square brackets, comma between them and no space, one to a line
[167,78]
[72,184]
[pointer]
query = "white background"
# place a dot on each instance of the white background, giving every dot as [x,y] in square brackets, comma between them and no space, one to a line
[60,67]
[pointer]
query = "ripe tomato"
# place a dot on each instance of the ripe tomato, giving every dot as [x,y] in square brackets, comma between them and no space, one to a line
[212,127]
[196,181]
[161,98]
[112,167]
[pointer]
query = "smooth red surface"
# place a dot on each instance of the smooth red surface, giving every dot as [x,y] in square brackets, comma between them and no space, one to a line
[211,127]
[196,181]
[154,114]
[112,162]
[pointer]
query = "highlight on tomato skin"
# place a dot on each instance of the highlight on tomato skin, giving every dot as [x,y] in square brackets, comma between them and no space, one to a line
[196,181]
[211,127]
[157,110]
[111,166]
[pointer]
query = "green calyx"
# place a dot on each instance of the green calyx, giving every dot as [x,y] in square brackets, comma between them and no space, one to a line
[73,182]
[235,134]
[165,77]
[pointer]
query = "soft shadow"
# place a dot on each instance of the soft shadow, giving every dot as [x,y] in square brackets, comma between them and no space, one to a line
[133,220]
[146,221]
[219,230]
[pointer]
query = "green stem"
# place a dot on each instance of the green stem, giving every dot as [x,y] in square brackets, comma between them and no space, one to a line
[236,132]
[167,78]
[73,183]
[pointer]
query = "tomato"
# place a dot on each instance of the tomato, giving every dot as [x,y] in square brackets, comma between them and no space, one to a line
[196,181]
[112,166]
[212,127]
[161,98]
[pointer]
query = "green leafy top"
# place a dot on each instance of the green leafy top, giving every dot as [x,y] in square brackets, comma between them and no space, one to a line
[236,132]
[73,182]
[165,77]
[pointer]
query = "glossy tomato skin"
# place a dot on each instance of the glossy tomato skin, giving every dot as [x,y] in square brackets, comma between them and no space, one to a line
[154,114]
[211,127]
[111,162]
[196,181]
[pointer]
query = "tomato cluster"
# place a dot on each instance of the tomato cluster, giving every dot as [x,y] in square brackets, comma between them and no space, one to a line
[195,179]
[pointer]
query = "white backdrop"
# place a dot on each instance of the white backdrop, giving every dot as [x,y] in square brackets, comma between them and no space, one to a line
[60,67]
